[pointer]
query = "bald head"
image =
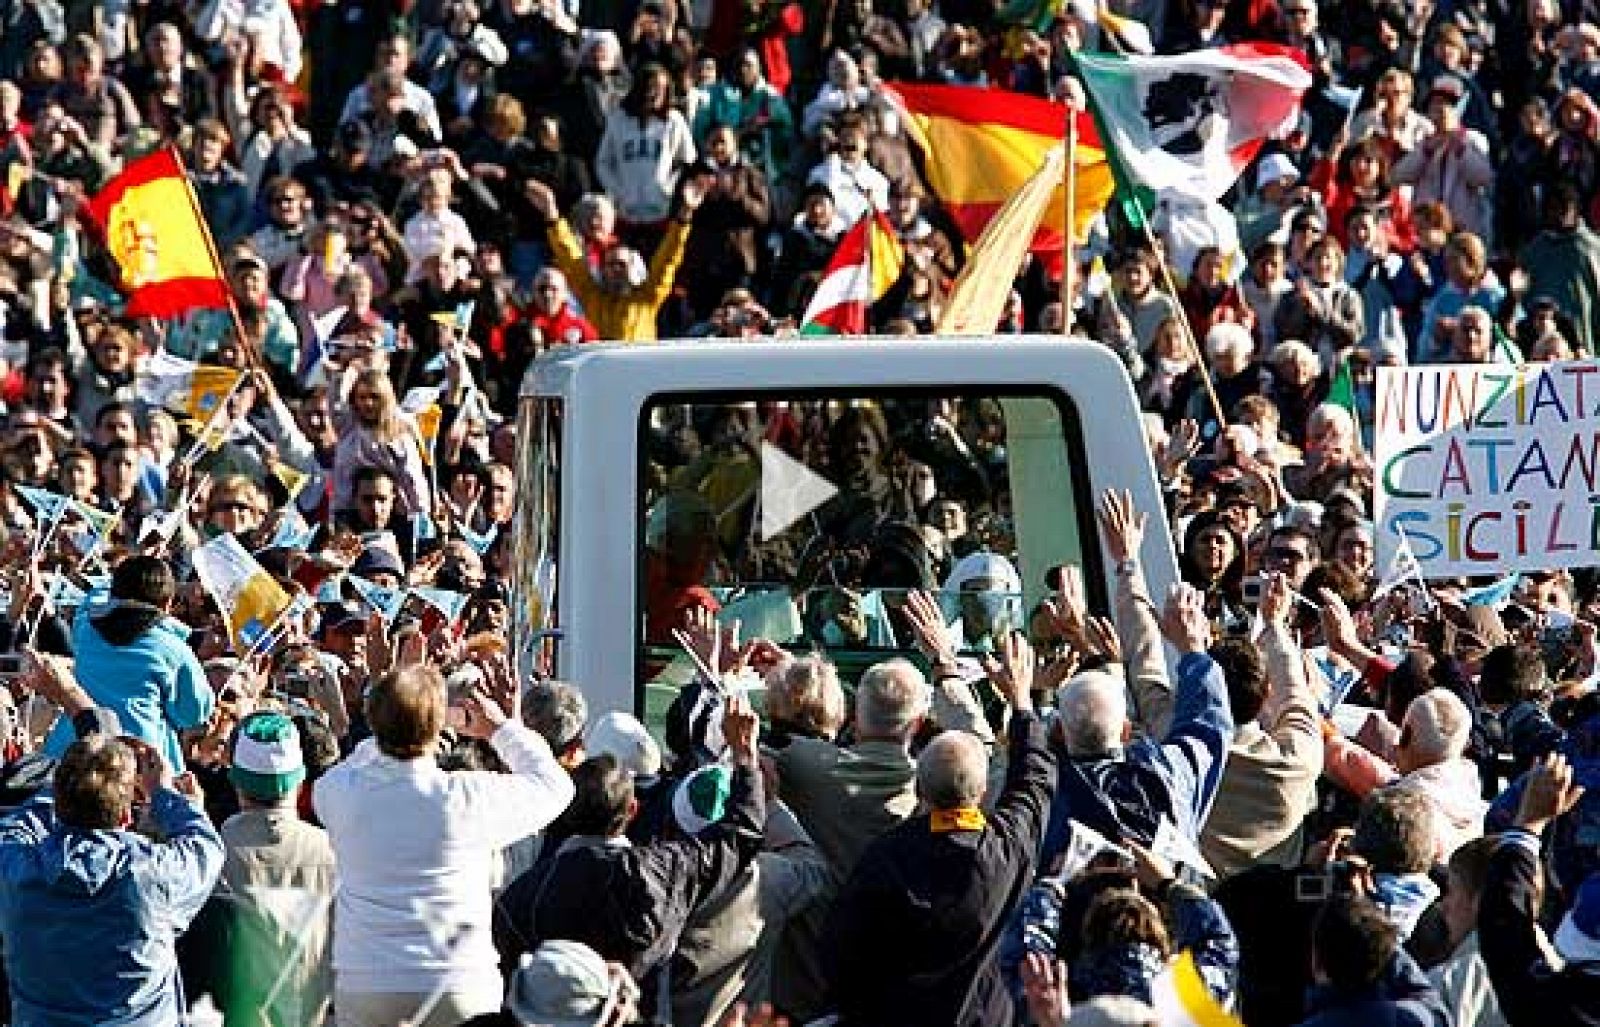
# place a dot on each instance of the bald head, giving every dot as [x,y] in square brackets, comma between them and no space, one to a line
[1094,712]
[952,771]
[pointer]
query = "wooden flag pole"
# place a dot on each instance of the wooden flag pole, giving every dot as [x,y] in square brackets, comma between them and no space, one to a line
[1195,351]
[216,259]
[1069,256]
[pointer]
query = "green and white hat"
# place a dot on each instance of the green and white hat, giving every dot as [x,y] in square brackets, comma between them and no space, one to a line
[702,798]
[267,763]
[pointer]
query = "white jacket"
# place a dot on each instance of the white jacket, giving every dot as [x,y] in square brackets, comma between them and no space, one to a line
[416,848]
[639,165]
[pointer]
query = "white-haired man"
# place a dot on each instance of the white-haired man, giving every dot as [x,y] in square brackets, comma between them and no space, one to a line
[845,797]
[1429,758]
[916,926]
[1111,782]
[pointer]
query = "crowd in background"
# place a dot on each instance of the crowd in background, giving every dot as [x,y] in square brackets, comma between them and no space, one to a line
[1312,798]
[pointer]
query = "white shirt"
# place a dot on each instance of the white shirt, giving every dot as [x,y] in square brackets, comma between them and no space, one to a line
[856,191]
[427,234]
[417,99]
[416,850]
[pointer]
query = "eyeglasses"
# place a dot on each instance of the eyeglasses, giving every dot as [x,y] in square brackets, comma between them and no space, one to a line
[287,198]
[1285,554]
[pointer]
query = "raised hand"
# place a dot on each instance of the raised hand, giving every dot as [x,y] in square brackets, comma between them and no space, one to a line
[1123,525]
[1275,601]
[1012,673]
[541,198]
[1550,793]
[1183,620]
[1044,985]
[741,728]
[932,634]
[1101,638]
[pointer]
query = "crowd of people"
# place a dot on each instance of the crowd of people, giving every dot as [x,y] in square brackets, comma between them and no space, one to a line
[1294,789]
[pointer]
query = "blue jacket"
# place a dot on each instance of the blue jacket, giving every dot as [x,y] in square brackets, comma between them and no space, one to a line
[144,672]
[1125,794]
[1402,997]
[90,918]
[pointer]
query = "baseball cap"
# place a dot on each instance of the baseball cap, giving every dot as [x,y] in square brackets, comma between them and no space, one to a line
[337,616]
[559,984]
[1449,85]
[378,559]
[1274,167]
[622,737]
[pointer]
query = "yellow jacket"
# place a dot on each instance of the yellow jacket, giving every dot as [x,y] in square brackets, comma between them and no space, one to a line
[626,316]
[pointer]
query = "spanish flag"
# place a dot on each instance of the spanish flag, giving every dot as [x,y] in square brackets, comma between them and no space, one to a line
[251,602]
[981,146]
[151,224]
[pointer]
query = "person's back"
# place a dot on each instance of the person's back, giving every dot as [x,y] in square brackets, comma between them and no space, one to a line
[1364,978]
[416,846]
[89,910]
[264,937]
[916,928]
[631,903]
[135,660]
[846,797]
[1563,263]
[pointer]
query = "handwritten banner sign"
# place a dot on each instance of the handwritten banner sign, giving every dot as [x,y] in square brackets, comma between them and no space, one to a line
[1489,468]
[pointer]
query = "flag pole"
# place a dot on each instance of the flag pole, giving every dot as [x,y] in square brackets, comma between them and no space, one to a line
[1195,353]
[216,258]
[1069,262]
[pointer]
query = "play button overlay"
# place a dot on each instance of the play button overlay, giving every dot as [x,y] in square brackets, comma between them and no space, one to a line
[789,491]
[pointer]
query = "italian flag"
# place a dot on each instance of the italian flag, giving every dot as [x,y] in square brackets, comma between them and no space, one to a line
[1190,123]
[864,266]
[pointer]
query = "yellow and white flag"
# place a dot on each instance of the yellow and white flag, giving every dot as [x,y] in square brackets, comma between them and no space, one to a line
[186,387]
[250,600]
[1181,998]
[422,403]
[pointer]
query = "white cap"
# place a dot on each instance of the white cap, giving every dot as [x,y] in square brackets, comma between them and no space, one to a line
[623,738]
[1275,166]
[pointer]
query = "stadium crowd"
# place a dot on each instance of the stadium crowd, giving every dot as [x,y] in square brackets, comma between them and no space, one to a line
[1282,790]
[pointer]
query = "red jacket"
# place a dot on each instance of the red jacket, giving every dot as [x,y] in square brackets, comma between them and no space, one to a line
[563,327]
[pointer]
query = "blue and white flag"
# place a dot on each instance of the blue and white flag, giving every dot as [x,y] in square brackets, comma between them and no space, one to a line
[293,532]
[480,542]
[1496,594]
[47,505]
[449,603]
[387,601]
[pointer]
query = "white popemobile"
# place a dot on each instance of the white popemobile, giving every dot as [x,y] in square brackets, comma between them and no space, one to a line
[612,489]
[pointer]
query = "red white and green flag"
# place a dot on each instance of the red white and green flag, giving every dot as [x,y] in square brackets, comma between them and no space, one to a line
[866,263]
[1191,123]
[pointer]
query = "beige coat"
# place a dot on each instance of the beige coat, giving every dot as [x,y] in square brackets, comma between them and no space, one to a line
[279,870]
[1270,783]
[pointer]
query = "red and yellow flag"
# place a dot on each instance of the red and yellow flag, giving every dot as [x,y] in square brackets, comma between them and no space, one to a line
[983,145]
[152,227]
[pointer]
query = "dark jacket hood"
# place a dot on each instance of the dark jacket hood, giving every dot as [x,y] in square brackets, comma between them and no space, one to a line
[125,621]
